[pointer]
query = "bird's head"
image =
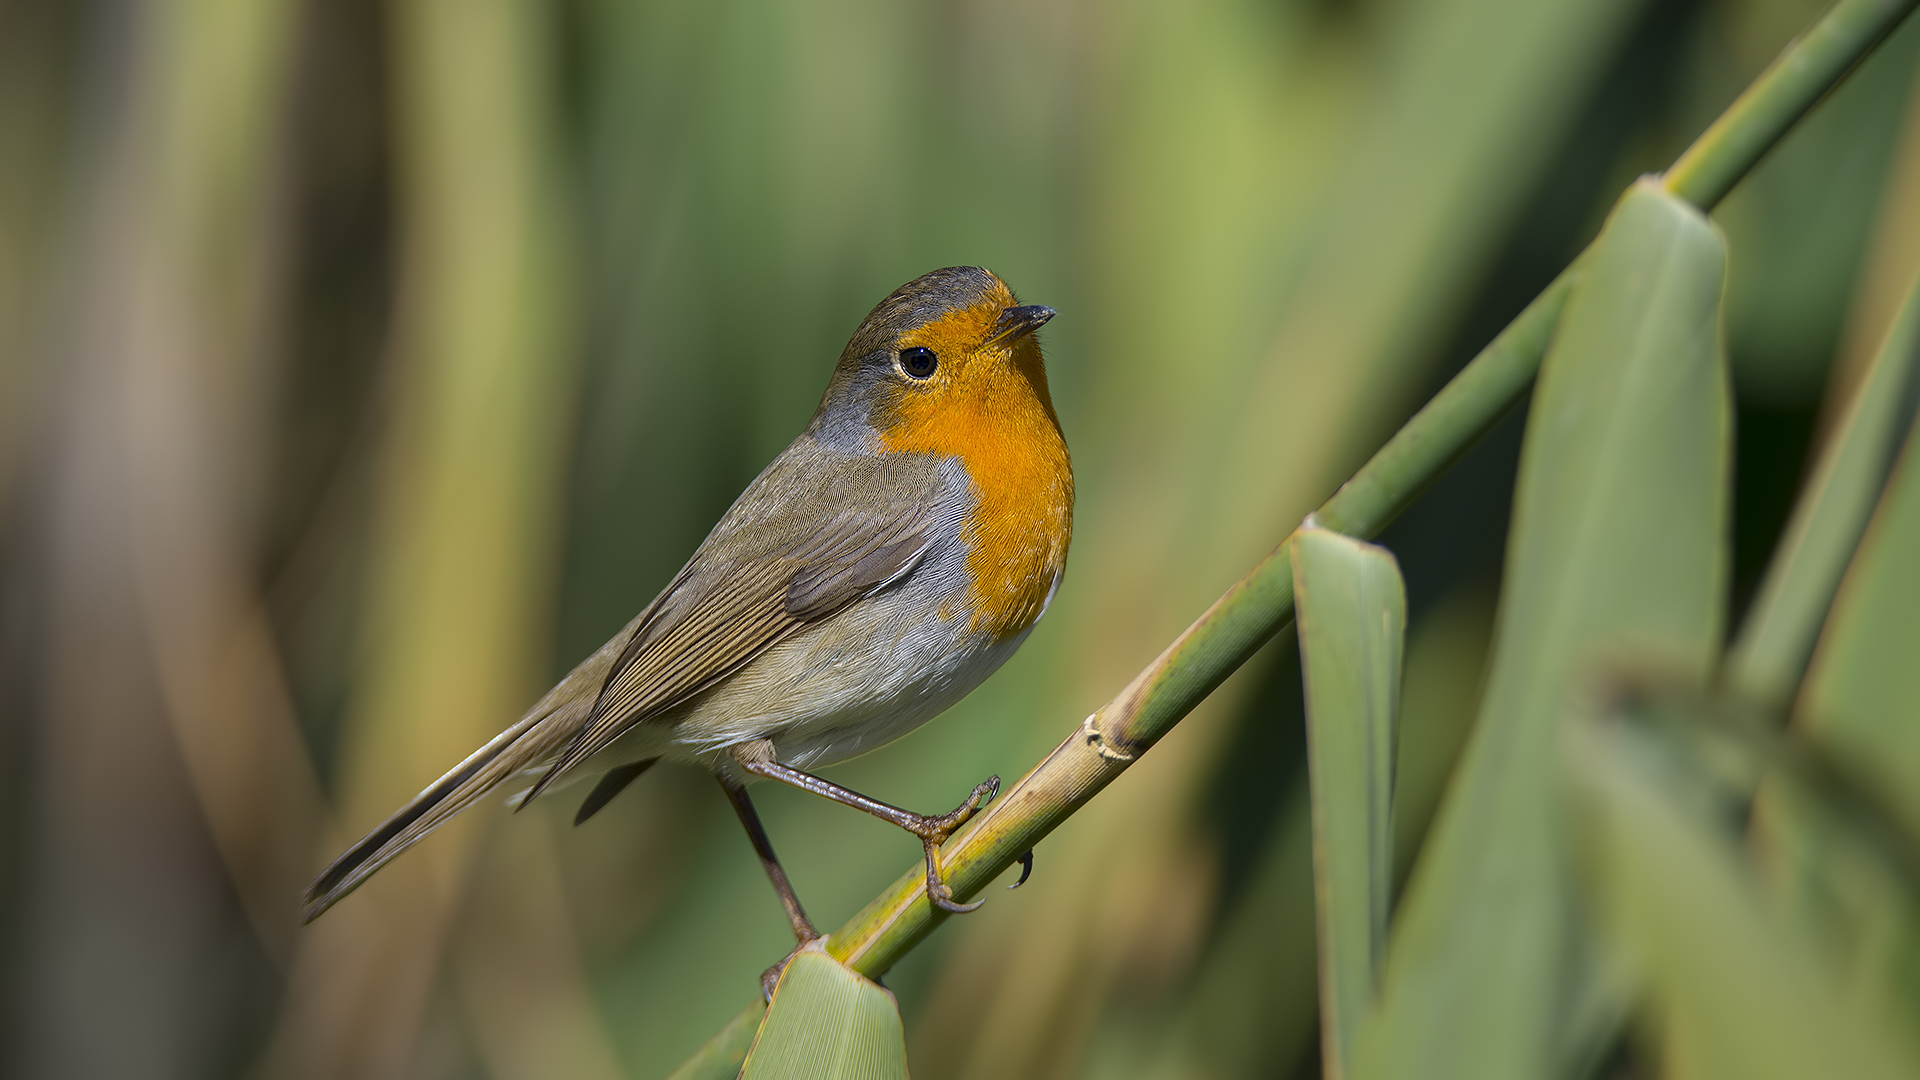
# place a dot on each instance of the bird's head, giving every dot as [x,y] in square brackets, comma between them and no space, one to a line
[949,352]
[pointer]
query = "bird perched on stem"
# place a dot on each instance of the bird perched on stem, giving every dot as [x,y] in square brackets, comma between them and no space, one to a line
[888,561]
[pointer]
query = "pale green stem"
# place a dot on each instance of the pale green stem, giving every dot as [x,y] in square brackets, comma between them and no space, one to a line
[1811,66]
[1259,604]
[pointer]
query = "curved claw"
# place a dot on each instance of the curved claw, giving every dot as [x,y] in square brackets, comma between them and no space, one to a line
[938,893]
[941,828]
[947,903]
[1026,868]
[984,793]
[935,831]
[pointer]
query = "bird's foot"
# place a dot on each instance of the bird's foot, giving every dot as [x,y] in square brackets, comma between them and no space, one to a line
[934,831]
[938,829]
[938,894]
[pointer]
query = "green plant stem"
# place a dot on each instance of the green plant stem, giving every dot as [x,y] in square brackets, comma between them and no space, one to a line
[1464,410]
[1811,66]
[1212,648]
[1261,603]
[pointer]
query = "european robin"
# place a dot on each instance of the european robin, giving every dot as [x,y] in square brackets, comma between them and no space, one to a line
[882,566]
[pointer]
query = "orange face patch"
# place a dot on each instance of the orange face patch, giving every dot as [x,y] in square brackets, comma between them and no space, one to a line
[988,406]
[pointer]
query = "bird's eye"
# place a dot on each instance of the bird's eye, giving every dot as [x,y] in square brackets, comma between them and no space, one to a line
[918,362]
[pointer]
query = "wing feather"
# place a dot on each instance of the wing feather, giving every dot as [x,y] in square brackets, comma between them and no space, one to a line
[721,613]
[797,551]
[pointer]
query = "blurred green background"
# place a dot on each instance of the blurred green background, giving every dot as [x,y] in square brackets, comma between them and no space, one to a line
[363,366]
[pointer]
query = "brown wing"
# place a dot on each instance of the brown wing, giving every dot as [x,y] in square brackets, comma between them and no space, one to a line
[722,613]
[790,552]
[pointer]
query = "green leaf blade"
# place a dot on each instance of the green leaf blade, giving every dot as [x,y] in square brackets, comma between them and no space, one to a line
[1352,611]
[1862,699]
[1630,424]
[826,1022]
[1828,521]
[1860,707]
[1740,990]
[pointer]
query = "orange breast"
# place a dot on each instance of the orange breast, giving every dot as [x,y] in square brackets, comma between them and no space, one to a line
[992,411]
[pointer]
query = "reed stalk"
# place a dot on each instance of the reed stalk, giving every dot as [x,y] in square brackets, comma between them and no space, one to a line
[1257,606]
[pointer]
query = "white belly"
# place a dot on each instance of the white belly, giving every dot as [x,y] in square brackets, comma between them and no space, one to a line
[857,680]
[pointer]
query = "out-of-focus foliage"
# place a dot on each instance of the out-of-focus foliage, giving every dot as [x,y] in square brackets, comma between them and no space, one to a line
[1738,987]
[362,366]
[1843,485]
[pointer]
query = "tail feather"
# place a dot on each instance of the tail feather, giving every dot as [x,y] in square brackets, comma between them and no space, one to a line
[612,782]
[467,783]
[538,737]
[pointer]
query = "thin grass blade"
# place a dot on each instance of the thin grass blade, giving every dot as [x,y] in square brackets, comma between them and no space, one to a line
[1352,608]
[1860,708]
[1862,699]
[1777,639]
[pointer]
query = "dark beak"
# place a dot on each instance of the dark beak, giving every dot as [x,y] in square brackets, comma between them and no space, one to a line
[1017,322]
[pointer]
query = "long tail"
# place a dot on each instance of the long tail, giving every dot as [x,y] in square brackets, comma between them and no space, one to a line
[484,770]
[536,737]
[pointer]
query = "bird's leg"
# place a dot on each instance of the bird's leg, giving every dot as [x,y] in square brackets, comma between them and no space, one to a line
[757,758]
[803,928]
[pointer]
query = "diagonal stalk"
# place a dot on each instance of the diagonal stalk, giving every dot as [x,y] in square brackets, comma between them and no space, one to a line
[1217,643]
[1261,603]
[1806,71]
